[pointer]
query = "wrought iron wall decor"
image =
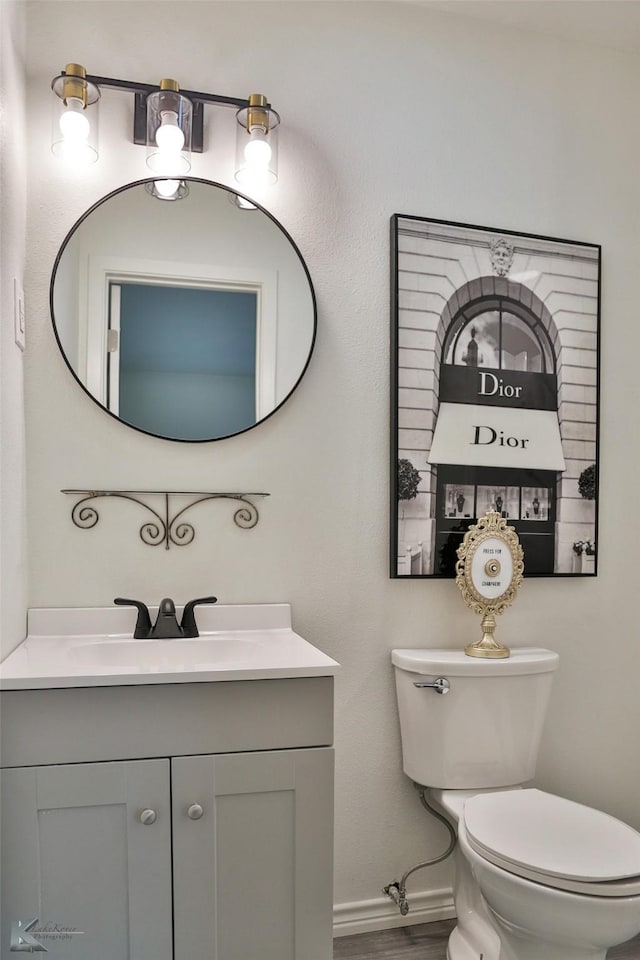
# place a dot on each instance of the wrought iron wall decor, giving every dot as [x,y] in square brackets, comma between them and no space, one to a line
[166,527]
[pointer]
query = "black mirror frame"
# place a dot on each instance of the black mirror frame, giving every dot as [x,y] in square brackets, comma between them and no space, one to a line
[232,193]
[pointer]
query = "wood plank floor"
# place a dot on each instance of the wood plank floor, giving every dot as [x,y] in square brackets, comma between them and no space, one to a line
[427,941]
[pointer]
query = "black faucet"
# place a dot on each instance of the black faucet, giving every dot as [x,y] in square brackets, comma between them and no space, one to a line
[143,623]
[188,625]
[166,626]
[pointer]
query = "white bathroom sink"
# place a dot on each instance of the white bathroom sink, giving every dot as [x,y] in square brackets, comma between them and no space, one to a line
[95,647]
[205,652]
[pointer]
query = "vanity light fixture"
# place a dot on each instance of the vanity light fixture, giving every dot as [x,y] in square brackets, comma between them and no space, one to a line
[256,143]
[169,118]
[74,134]
[170,123]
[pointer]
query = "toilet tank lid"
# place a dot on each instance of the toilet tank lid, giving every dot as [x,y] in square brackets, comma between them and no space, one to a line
[457,664]
[553,836]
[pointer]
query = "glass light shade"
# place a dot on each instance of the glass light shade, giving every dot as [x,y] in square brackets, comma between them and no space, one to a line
[167,189]
[242,202]
[169,124]
[256,144]
[74,121]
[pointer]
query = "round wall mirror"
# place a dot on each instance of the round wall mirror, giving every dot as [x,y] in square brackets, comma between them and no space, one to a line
[192,318]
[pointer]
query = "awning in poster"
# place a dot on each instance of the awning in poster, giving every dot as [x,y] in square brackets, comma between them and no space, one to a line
[486,436]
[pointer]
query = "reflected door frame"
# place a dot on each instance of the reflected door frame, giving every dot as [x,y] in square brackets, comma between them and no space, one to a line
[101,272]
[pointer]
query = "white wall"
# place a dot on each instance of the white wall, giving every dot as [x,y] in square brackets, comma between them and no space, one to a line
[13,201]
[387,108]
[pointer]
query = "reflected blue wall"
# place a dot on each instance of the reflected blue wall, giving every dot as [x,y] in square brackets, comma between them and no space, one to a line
[187,360]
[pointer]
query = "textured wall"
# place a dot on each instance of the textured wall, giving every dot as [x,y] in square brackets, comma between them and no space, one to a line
[387,108]
[13,215]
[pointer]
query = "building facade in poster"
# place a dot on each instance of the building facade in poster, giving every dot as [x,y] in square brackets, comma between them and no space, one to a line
[495,394]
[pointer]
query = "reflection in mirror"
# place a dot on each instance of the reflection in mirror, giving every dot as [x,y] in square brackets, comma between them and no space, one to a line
[192,319]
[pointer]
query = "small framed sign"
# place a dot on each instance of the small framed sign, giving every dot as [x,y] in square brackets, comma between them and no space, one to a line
[488,573]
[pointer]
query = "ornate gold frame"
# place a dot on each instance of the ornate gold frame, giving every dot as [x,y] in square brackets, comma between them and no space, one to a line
[490,527]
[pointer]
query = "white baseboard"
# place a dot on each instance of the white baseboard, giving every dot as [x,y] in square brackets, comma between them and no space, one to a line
[382,913]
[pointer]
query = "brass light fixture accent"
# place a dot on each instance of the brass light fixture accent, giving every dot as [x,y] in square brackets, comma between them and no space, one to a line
[74,83]
[258,114]
[489,571]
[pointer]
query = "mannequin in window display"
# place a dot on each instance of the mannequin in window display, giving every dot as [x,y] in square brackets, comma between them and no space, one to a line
[536,506]
[499,504]
[460,502]
[471,356]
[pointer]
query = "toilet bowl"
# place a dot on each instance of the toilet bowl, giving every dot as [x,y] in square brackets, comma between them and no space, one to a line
[537,877]
[561,881]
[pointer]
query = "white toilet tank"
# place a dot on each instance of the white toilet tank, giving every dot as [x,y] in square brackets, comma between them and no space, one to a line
[485,731]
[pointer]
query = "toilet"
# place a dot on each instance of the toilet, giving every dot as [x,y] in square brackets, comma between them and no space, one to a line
[537,877]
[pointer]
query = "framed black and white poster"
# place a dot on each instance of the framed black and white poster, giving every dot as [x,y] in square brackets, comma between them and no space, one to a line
[494,394]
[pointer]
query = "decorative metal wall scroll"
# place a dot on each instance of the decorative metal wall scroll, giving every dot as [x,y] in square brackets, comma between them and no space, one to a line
[166,527]
[488,573]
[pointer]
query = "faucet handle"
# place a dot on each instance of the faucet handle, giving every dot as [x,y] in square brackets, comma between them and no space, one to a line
[188,626]
[143,623]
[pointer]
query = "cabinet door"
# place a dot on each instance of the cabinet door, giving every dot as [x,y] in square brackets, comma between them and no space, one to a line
[75,854]
[253,856]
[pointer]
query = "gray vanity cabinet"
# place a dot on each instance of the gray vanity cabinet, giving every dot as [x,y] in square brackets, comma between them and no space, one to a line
[156,849]
[250,870]
[76,854]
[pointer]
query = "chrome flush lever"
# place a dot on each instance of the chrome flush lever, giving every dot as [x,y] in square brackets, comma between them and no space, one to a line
[440,685]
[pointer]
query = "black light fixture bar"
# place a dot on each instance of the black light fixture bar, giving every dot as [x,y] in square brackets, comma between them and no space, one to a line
[142,90]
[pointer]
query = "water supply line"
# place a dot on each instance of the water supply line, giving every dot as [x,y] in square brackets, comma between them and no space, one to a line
[397,890]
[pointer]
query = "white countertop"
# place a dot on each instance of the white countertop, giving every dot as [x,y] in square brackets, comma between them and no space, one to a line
[85,647]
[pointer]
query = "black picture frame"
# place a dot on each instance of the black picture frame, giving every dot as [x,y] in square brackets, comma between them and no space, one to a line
[495,394]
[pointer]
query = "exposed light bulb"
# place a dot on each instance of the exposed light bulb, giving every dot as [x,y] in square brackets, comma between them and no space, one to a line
[169,136]
[169,119]
[167,189]
[257,151]
[74,125]
[254,171]
[75,128]
[256,163]
[168,159]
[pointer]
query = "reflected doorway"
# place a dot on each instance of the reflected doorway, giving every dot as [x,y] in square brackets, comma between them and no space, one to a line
[182,359]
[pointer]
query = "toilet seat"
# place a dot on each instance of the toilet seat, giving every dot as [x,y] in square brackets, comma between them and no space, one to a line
[554,841]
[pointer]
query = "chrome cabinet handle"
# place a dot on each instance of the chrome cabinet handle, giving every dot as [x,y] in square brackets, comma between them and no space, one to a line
[440,685]
[195,811]
[148,816]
